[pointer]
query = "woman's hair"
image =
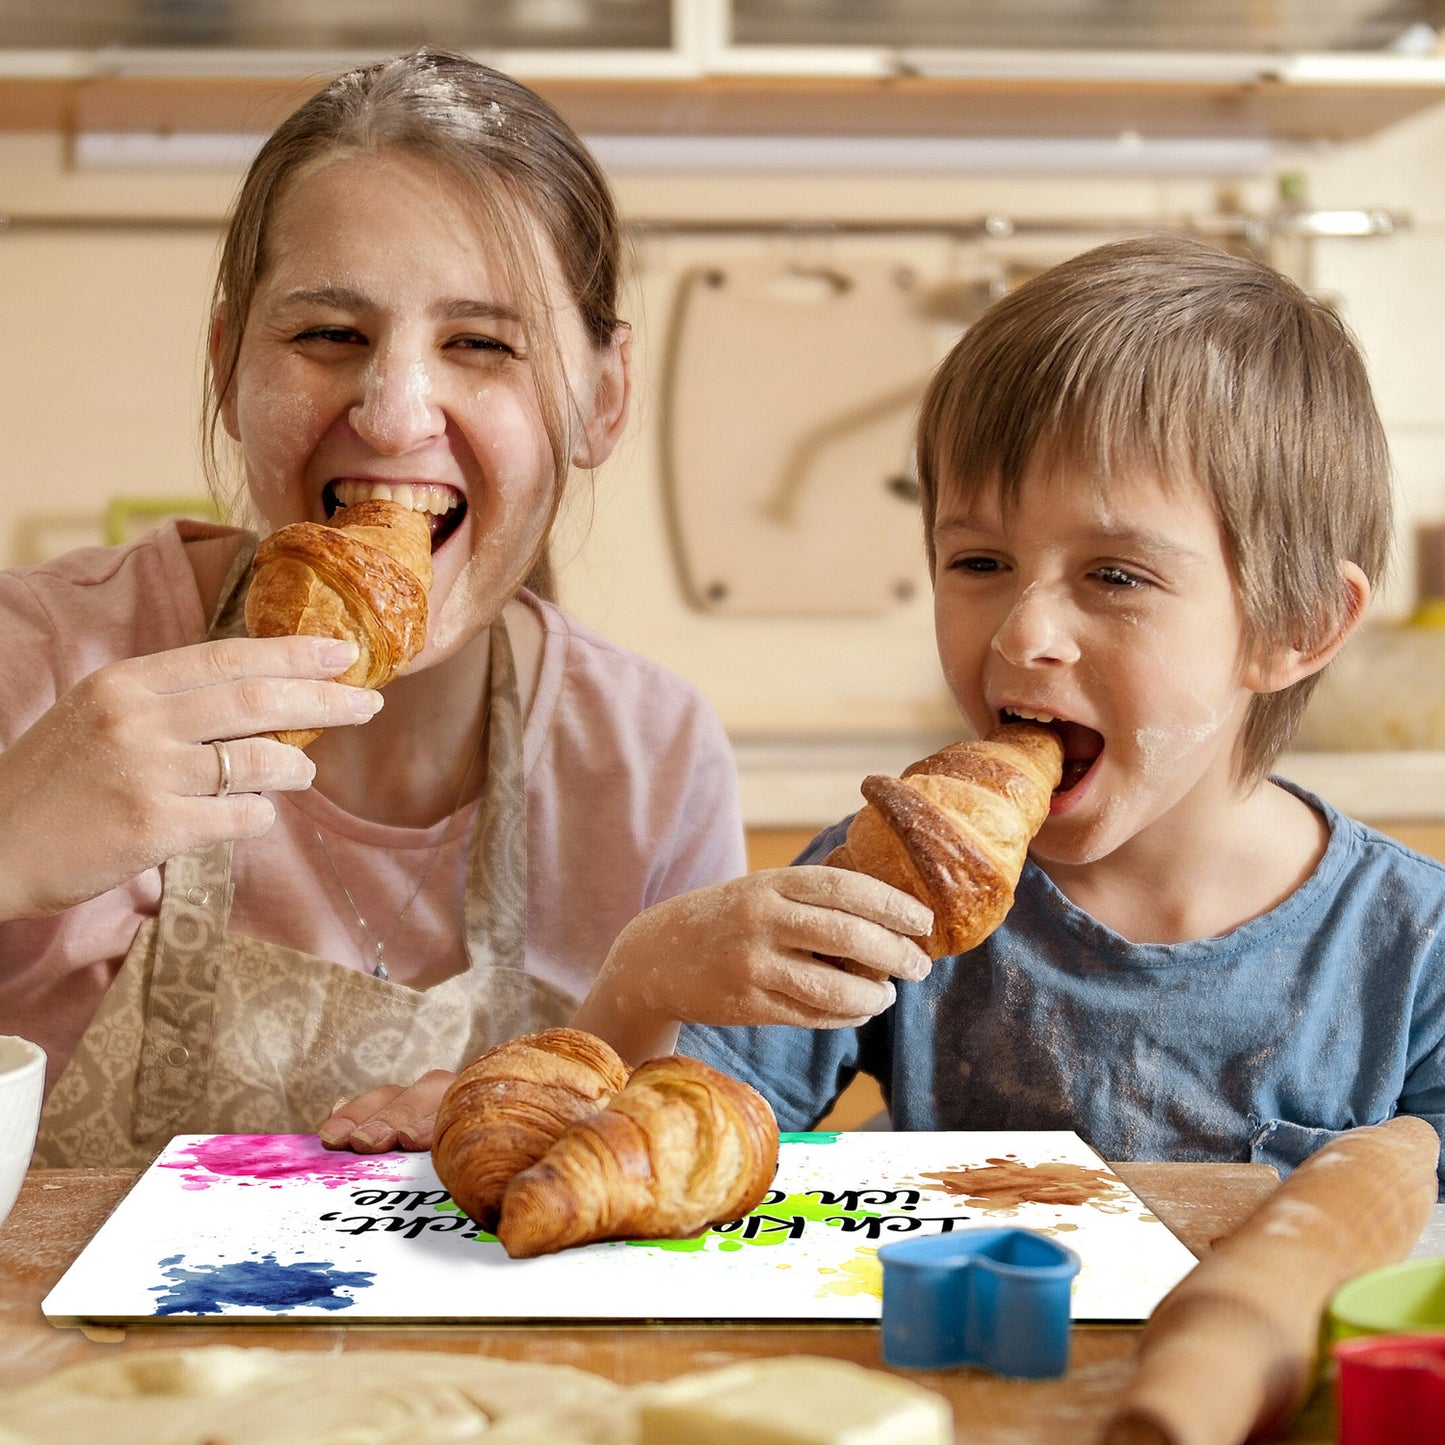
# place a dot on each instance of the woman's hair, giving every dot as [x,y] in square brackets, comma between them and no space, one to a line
[1166,357]
[524,169]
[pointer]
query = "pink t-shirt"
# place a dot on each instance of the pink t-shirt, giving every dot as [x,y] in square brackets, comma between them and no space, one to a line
[630,782]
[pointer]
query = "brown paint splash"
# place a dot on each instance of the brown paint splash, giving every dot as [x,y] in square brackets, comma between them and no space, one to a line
[1005,1183]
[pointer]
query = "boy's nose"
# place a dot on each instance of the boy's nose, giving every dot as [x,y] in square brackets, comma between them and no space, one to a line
[1036,632]
[396,410]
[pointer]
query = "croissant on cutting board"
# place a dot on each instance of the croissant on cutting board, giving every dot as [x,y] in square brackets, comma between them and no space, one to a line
[955,829]
[682,1147]
[547,1142]
[510,1105]
[363,575]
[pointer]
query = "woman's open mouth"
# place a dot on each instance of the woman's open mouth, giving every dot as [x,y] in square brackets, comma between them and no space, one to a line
[444,506]
[1082,745]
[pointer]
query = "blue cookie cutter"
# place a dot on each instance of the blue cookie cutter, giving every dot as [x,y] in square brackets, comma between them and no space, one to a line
[998,1298]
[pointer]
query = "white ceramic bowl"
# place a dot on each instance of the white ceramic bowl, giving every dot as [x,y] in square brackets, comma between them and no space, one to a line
[22,1082]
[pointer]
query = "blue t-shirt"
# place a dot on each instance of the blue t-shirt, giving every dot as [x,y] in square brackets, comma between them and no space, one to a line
[1326,1013]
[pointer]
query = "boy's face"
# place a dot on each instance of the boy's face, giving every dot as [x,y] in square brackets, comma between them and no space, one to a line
[1113,609]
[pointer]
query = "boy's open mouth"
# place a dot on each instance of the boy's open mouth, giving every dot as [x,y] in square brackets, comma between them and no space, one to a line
[1082,745]
[444,506]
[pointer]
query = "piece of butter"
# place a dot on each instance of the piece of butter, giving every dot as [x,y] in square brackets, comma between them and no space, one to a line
[793,1400]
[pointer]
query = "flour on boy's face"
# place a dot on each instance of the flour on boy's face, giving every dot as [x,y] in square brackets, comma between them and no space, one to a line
[1108,609]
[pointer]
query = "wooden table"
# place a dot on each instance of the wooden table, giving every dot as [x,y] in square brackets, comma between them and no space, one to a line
[59,1210]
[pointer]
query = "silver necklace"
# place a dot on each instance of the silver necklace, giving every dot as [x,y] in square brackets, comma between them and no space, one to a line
[378,945]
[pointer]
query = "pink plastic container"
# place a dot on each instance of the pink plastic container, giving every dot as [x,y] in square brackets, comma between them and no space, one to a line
[1390,1389]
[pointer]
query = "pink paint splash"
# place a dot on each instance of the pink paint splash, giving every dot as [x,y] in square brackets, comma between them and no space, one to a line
[274,1159]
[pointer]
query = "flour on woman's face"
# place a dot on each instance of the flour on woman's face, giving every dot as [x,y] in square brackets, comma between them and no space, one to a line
[385,349]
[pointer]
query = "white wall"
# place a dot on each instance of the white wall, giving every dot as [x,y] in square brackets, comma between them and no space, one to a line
[100,334]
[1393,294]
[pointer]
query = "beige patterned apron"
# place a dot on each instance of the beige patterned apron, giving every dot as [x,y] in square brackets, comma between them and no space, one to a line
[209,1032]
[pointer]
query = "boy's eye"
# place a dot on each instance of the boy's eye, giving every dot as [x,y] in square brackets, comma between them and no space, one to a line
[1118,577]
[975,564]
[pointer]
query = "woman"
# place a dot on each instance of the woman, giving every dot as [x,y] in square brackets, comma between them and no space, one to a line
[210,930]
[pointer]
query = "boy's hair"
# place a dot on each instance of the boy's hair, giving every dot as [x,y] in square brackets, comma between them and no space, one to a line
[1166,357]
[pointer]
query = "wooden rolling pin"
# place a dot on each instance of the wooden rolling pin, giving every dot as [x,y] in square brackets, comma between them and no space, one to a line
[1230,1353]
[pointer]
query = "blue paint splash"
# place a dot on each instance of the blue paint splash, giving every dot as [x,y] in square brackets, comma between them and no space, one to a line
[262,1283]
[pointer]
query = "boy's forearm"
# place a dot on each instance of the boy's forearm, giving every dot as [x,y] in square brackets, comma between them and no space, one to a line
[625,1006]
[634,1034]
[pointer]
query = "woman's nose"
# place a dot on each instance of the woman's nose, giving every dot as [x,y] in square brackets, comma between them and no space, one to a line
[1036,630]
[396,410]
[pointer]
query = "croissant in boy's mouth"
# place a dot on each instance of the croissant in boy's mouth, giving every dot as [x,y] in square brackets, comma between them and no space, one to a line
[955,829]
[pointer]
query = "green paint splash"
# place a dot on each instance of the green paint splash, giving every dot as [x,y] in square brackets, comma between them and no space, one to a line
[726,1239]
[482,1237]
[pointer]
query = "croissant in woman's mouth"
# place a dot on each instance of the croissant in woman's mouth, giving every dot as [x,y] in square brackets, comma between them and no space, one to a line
[443,505]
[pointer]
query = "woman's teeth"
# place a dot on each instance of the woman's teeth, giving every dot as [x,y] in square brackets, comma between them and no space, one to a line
[1022,714]
[419,497]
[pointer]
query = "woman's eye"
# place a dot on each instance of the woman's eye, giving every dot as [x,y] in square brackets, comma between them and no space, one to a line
[486,344]
[339,335]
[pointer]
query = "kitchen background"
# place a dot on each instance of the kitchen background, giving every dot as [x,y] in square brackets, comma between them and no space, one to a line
[823,192]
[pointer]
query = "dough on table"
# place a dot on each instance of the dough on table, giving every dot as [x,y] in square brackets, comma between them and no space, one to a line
[792,1400]
[230,1395]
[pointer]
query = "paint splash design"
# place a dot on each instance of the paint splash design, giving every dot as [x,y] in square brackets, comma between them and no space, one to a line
[275,1159]
[857,1276]
[773,1223]
[1002,1185]
[263,1283]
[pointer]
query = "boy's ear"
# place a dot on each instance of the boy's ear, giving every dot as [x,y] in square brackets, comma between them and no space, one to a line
[611,396]
[1277,668]
[228,402]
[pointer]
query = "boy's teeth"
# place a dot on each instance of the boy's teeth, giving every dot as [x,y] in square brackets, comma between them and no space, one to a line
[1025,715]
[422,497]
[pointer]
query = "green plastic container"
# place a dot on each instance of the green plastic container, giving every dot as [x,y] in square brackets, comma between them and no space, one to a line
[1401,1299]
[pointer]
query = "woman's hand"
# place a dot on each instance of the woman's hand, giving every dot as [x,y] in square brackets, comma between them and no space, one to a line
[394,1116]
[120,774]
[813,946]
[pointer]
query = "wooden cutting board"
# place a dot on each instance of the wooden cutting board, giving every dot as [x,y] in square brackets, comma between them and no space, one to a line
[262,1228]
[790,395]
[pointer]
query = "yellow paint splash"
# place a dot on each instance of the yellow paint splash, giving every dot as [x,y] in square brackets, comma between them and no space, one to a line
[860,1275]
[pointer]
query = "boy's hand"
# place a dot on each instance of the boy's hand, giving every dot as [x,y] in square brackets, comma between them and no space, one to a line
[394,1116]
[812,946]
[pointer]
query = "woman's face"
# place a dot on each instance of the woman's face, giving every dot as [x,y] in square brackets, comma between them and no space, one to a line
[385,356]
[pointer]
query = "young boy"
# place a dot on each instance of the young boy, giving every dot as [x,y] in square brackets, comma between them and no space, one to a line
[1156,496]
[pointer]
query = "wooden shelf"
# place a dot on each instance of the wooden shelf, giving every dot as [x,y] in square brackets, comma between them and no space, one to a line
[806,782]
[1279,108]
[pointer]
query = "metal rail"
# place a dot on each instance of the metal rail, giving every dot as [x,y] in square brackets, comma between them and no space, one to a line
[1223,226]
